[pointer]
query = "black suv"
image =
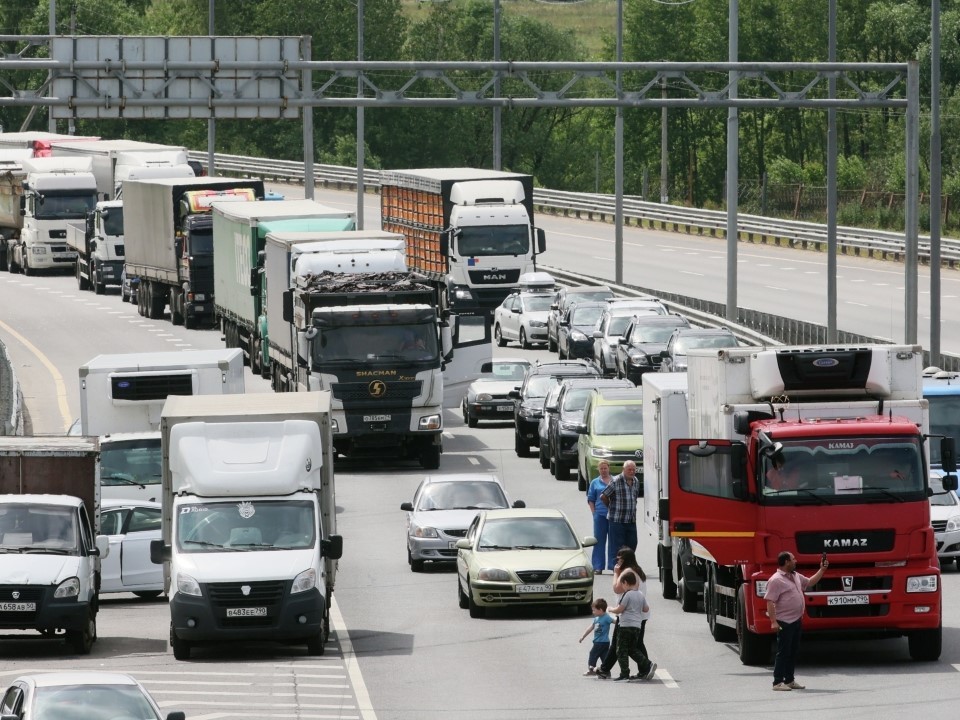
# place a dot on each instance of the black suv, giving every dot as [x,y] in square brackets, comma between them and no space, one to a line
[575,333]
[640,347]
[530,397]
[567,416]
[564,299]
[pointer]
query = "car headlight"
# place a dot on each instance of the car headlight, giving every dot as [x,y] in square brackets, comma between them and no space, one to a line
[639,358]
[430,422]
[484,397]
[38,249]
[922,584]
[577,336]
[530,411]
[68,588]
[424,532]
[495,574]
[307,580]
[188,586]
[537,323]
[574,573]
[601,452]
[569,426]
[953,523]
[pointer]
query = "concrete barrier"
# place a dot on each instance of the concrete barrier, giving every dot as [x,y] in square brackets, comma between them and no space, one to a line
[11,399]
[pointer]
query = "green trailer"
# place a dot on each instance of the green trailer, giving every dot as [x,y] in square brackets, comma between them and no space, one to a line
[239,232]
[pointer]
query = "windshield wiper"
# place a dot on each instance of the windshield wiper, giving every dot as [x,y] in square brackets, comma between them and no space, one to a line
[807,493]
[204,543]
[540,547]
[45,551]
[885,492]
[126,479]
[496,547]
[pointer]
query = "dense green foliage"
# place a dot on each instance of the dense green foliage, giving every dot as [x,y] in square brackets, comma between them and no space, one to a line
[563,147]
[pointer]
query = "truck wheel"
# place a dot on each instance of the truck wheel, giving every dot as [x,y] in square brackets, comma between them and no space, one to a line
[498,336]
[181,648]
[255,363]
[666,573]
[26,266]
[316,645]
[155,303]
[688,600]
[3,253]
[99,288]
[176,317]
[925,645]
[430,457]
[753,649]
[82,283]
[11,265]
[82,640]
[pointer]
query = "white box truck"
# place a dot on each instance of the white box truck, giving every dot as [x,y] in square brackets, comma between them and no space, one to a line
[249,542]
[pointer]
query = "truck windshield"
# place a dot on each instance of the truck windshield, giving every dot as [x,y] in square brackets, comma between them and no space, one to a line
[56,207]
[201,242]
[130,462]
[493,240]
[363,343]
[843,470]
[38,529]
[113,221]
[246,525]
[944,420]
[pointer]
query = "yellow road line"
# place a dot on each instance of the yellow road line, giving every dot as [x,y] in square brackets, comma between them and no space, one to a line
[52,369]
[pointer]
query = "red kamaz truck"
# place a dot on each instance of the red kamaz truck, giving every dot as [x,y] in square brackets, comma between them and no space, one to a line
[811,450]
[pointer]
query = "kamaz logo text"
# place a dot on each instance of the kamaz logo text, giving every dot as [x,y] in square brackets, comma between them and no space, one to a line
[845,543]
[840,446]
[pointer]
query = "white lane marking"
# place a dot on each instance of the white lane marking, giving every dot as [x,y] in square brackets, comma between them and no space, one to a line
[690,272]
[667,678]
[353,668]
[811,272]
[850,302]
[473,460]
[600,257]
[774,287]
[448,435]
[886,284]
[116,312]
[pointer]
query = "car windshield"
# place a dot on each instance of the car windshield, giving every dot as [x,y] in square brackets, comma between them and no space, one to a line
[576,398]
[247,525]
[589,296]
[587,315]
[76,702]
[506,371]
[462,495]
[944,420]
[540,386]
[130,462]
[527,533]
[652,333]
[40,529]
[618,420]
[686,343]
[536,303]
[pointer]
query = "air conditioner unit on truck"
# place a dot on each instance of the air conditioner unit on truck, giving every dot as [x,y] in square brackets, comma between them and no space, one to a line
[469,231]
[54,192]
[249,542]
[170,246]
[809,450]
[50,542]
[239,236]
[122,397]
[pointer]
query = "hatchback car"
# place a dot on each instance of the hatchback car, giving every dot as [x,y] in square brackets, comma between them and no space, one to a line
[531,394]
[130,527]
[575,332]
[64,695]
[611,430]
[562,302]
[442,508]
[488,397]
[613,324]
[522,317]
[523,557]
[645,338]
[945,517]
[682,340]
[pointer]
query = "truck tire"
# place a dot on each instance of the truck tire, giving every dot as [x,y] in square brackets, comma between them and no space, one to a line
[316,645]
[156,302]
[26,270]
[255,364]
[181,648]
[81,641]
[176,317]
[11,265]
[753,649]
[665,562]
[430,457]
[99,287]
[688,600]
[925,645]
[82,283]
[3,253]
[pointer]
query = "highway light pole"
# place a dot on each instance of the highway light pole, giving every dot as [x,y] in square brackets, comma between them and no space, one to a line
[618,158]
[733,174]
[361,131]
[497,117]
[936,189]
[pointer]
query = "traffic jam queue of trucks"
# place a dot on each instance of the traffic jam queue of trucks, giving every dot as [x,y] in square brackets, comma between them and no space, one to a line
[811,450]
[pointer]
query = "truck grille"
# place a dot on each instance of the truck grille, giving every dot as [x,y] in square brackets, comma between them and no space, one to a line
[359,392]
[268,592]
[201,279]
[479,277]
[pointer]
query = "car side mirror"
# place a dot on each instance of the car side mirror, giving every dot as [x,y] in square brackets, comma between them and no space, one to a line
[550,407]
[406,506]
[582,429]
[665,354]
[624,340]
[519,504]
[597,334]
[949,482]
[554,306]
[463,544]
[948,455]
[515,394]
[589,541]
[177,715]
[332,547]
[515,311]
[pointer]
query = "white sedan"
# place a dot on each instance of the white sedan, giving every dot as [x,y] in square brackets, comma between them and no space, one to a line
[522,317]
[130,526]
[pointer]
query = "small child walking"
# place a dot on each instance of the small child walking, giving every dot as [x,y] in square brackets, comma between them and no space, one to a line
[600,627]
[631,609]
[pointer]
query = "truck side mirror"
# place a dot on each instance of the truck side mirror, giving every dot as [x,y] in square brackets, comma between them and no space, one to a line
[177,715]
[541,240]
[445,243]
[949,483]
[948,455]
[159,553]
[23,204]
[255,282]
[332,547]
[738,471]
[288,306]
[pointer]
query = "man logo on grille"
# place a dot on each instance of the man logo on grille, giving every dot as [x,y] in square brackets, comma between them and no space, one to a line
[377,388]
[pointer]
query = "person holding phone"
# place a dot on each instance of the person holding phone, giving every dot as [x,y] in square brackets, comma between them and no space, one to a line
[785,607]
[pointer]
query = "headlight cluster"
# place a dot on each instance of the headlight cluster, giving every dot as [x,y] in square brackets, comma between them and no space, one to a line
[922,584]
[188,586]
[575,573]
[494,574]
[484,397]
[537,323]
[68,588]
[601,452]
[307,580]
[569,426]
[530,411]
[577,336]
[639,358]
[953,523]
[424,532]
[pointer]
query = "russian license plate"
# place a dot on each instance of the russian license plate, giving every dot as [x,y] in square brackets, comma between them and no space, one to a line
[18,607]
[452,545]
[247,612]
[504,408]
[377,418]
[530,589]
[848,600]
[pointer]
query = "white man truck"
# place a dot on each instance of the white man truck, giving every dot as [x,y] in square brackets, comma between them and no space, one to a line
[52,193]
[50,546]
[122,397]
[249,542]
[239,237]
[808,450]
[470,231]
[98,243]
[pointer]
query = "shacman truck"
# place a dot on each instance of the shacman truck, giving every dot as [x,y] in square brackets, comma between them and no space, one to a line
[809,450]
[239,237]
[169,248]
[50,542]
[122,397]
[249,514]
[470,231]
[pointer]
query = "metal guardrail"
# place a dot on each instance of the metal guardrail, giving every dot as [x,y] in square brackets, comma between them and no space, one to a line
[593,206]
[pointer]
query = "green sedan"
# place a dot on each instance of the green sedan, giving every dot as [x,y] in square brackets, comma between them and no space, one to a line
[523,556]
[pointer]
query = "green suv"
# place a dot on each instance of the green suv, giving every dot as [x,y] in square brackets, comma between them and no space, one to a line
[612,430]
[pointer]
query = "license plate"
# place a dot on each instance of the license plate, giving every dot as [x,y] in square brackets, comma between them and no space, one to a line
[247,612]
[504,408]
[198,308]
[377,418]
[848,600]
[529,589]
[452,545]
[18,607]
